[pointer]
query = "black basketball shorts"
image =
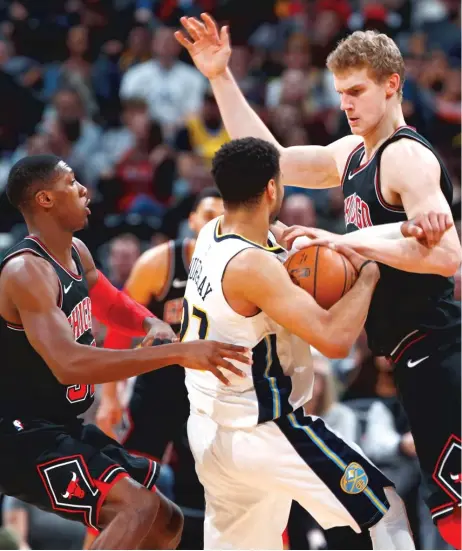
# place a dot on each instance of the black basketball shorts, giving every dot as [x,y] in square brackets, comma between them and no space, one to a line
[66,469]
[427,374]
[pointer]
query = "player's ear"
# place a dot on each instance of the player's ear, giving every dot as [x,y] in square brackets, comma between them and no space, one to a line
[393,83]
[44,198]
[271,189]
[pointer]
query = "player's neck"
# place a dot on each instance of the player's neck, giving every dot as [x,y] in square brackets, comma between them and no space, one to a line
[253,226]
[391,121]
[57,241]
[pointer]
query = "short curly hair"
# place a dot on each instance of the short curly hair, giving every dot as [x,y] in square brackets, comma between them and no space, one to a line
[368,49]
[242,169]
[27,174]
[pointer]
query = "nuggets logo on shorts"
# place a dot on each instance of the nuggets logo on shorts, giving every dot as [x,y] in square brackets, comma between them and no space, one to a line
[354,480]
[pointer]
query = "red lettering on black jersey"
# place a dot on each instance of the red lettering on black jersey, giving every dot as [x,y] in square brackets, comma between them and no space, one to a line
[80,318]
[357,212]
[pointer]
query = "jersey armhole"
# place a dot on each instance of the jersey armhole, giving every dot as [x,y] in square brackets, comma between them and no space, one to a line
[223,292]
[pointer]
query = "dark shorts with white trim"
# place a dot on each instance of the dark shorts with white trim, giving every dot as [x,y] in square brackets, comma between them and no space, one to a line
[66,469]
[428,378]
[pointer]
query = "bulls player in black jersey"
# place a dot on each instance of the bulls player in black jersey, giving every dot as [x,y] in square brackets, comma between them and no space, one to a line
[390,175]
[49,288]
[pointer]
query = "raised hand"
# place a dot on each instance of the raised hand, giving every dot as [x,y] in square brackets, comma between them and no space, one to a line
[210,49]
[212,356]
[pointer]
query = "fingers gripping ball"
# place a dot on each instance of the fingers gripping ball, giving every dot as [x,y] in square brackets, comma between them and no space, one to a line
[324,273]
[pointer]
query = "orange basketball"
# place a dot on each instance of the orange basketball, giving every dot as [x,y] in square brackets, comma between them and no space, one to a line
[324,273]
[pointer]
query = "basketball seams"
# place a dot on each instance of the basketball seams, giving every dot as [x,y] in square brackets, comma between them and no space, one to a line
[315,271]
[345,278]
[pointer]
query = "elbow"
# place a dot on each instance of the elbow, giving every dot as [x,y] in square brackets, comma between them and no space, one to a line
[335,350]
[451,264]
[63,373]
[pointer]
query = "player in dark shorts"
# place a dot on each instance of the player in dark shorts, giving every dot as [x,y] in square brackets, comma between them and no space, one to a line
[389,174]
[49,287]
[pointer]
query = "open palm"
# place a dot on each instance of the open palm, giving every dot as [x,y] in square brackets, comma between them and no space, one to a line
[210,49]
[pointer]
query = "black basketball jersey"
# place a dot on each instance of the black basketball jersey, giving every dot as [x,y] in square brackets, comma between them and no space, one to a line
[168,305]
[28,387]
[402,301]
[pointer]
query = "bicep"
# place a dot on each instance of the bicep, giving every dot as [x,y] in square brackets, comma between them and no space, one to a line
[268,285]
[309,166]
[34,290]
[417,182]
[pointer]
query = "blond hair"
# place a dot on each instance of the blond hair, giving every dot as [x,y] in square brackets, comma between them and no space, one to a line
[368,49]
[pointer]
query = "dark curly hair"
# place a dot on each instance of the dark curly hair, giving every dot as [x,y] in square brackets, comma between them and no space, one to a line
[242,169]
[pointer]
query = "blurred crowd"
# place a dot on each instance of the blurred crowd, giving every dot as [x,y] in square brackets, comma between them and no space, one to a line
[104,85]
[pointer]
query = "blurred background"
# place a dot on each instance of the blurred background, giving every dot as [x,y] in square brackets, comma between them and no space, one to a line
[104,85]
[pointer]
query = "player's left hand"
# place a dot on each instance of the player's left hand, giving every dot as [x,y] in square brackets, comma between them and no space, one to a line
[427,228]
[158,329]
[289,235]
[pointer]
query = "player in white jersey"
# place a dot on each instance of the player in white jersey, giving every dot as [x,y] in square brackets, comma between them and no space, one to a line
[254,447]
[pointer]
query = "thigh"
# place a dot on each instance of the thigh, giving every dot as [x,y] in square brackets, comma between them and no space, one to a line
[331,479]
[50,466]
[430,392]
[142,469]
[238,514]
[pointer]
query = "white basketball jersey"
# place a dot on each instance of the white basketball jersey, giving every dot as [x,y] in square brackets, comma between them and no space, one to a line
[280,378]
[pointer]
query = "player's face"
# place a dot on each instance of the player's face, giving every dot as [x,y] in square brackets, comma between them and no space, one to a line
[208,209]
[363,100]
[70,200]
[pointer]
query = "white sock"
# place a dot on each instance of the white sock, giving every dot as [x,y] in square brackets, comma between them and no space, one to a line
[392,531]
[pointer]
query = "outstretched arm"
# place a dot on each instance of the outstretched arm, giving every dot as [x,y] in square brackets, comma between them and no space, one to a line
[32,287]
[302,166]
[426,243]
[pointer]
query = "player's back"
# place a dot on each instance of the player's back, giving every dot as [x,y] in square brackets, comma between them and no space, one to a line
[28,387]
[280,378]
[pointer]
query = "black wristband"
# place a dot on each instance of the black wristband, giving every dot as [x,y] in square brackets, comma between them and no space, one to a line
[365,264]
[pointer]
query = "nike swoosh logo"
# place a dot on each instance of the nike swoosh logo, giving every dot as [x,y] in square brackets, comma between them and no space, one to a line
[350,175]
[66,289]
[179,284]
[410,363]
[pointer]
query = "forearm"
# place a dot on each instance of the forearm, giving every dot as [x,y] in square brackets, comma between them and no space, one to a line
[343,328]
[117,310]
[371,233]
[90,365]
[239,118]
[408,255]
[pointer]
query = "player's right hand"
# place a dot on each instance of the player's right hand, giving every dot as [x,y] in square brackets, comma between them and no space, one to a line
[213,356]
[427,228]
[210,50]
[360,263]
[109,415]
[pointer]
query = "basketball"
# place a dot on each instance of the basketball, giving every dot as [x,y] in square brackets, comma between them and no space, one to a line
[324,273]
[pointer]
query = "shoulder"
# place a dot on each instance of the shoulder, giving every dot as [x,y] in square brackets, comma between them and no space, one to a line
[342,149]
[253,264]
[155,257]
[27,274]
[405,159]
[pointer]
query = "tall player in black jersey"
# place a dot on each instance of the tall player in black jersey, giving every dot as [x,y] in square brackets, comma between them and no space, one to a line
[49,287]
[389,174]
